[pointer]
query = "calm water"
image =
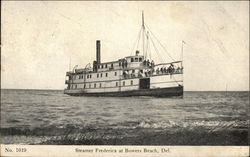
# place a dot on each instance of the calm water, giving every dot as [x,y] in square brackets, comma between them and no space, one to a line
[50,117]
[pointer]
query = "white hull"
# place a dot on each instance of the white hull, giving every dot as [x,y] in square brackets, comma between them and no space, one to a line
[154,82]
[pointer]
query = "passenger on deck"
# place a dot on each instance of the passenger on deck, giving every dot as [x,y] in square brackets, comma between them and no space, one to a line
[171,69]
[157,71]
[139,74]
[152,71]
[148,63]
[165,70]
[133,75]
[125,74]
[161,70]
[178,70]
[146,73]
[149,72]
[144,62]
[152,64]
[125,63]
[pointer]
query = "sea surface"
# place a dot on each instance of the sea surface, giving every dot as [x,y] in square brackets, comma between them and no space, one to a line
[51,117]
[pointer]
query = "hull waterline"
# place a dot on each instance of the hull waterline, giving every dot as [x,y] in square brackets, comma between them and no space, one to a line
[158,92]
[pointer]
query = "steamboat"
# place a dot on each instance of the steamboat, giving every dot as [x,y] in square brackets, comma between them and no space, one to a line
[134,75]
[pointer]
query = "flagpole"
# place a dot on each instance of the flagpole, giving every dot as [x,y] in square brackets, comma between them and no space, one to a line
[143,33]
[182,43]
[181,52]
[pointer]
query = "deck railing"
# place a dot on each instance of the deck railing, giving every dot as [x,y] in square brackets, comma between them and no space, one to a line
[152,73]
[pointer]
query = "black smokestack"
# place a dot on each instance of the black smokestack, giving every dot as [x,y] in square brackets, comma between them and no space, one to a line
[98,51]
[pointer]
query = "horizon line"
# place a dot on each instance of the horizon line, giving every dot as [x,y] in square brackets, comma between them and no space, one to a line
[183,90]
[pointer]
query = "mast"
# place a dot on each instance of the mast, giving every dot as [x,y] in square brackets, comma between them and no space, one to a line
[147,43]
[143,31]
[183,42]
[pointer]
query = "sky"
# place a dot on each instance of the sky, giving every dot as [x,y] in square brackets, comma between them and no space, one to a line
[41,38]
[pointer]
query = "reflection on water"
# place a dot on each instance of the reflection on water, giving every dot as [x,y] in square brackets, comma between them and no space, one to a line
[42,110]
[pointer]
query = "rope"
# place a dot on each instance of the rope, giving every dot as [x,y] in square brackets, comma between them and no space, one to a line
[136,41]
[156,48]
[149,50]
[176,81]
[143,34]
[159,43]
[146,50]
[139,39]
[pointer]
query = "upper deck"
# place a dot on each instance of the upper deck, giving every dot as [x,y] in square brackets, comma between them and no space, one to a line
[130,62]
[127,68]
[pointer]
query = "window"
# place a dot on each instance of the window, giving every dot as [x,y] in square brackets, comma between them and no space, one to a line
[115,73]
[112,65]
[100,85]
[101,74]
[131,82]
[116,84]
[123,83]
[102,66]
[120,64]
[140,59]
[106,65]
[89,76]
[133,71]
[84,86]
[132,59]
[89,85]
[97,75]
[75,86]
[136,59]
[94,85]
[106,74]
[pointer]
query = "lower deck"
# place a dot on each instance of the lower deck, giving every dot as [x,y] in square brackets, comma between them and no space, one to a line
[154,85]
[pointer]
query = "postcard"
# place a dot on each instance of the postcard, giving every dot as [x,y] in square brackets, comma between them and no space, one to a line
[125,78]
